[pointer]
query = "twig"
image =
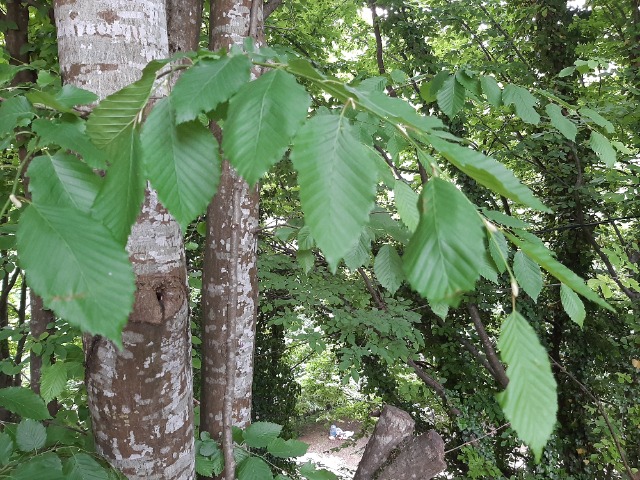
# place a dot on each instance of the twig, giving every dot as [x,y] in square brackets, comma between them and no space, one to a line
[497,368]
[491,433]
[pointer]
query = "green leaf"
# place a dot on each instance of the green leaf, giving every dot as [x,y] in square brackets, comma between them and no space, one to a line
[440,309]
[63,180]
[388,268]
[506,220]
[119,200]
[565,72]
[498,249]
[602,147]
[6,448]
[305,239]
[528,275]
[334,87]
[530,400]
[406,200]
[360,254]
[287,448]
[565,126]
[442,259]
[306,260]
[597,119]
[69,133]
[254,468]
[572,305]
[208,84]
[116,115]
[429,90]
[488,172]
[263,118]
[81,466]
[204,466]
[76,266]
[451,97]
[488,269]
[45,99]
[182,162]
[337,177]
[523,101]
[42,467]
[70,96]
[12,111]
[30,435]
[260,434]
[491,90]
[53,381]
[382,223]
[310,472]
[543,256]
[23,402]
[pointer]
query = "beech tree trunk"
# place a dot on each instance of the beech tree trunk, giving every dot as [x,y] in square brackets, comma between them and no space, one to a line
[230,287]
[140,398]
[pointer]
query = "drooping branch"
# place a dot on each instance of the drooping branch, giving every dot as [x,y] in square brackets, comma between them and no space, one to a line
[269,7]
[497,369]
[435,385]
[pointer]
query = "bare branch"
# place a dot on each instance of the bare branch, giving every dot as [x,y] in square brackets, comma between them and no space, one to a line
[497,369]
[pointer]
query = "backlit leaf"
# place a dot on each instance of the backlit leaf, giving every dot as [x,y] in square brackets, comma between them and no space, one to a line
[182,162]
[451,97]
[406,200]
[530,400]
[76,266]
[603,148]
[498,249]
[491,89]
[565,126]
[542,255]
[528,275]
[597,119]
[337,177]
[572,305]
[263,117]
[388,268]
[442,259]
[53,381]
[488,172]
[523,101]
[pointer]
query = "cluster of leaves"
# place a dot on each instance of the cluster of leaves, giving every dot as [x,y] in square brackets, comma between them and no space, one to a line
[35,449]
[71,238]
[264,439]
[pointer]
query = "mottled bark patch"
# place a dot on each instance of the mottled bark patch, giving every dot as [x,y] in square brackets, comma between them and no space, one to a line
[109,16]
[158,298]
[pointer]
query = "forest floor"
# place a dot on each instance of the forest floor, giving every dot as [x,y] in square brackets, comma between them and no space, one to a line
[338,456]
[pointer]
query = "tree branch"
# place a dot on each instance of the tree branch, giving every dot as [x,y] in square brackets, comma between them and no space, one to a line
[435,385]
[497,368]
[269,7]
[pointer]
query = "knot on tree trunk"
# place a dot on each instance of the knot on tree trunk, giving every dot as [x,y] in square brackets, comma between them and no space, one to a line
[158,298]
[394,453]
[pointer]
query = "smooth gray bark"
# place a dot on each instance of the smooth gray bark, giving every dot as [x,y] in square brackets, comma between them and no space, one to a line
[140,398]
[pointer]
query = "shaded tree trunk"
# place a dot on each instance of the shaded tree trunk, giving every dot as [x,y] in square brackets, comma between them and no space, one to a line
[232,217]
[140,398]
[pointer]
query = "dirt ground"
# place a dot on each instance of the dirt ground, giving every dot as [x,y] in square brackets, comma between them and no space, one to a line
[339,456]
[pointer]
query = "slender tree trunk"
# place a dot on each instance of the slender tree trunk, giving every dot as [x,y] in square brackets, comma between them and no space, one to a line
[230,287]
[140,398]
